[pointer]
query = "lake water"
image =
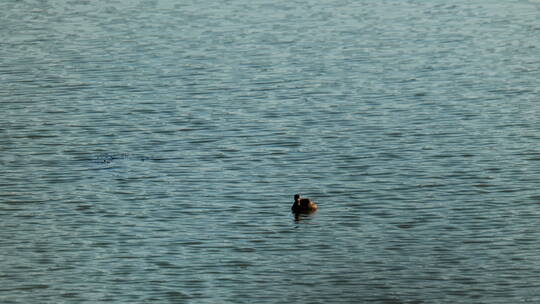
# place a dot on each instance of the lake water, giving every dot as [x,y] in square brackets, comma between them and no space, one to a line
[150,151]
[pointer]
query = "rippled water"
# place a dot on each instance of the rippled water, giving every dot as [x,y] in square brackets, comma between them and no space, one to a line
[150,151]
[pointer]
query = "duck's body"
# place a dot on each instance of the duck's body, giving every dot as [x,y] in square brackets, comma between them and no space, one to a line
[303,204]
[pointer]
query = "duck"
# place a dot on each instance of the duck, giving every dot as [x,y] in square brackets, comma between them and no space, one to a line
[303,205]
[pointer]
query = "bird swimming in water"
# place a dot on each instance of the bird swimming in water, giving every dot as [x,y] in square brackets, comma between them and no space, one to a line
[303,205]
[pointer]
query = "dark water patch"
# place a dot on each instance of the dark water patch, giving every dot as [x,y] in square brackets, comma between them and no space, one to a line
[32,287]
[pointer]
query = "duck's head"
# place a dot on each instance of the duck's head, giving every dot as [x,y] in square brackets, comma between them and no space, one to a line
[296,197]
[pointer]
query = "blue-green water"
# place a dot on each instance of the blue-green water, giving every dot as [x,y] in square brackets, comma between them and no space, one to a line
[150,150]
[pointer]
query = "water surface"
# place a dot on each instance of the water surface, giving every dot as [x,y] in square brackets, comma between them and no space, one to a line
[150,151]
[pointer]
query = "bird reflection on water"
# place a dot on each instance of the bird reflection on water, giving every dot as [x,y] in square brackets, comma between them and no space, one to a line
[303,216]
